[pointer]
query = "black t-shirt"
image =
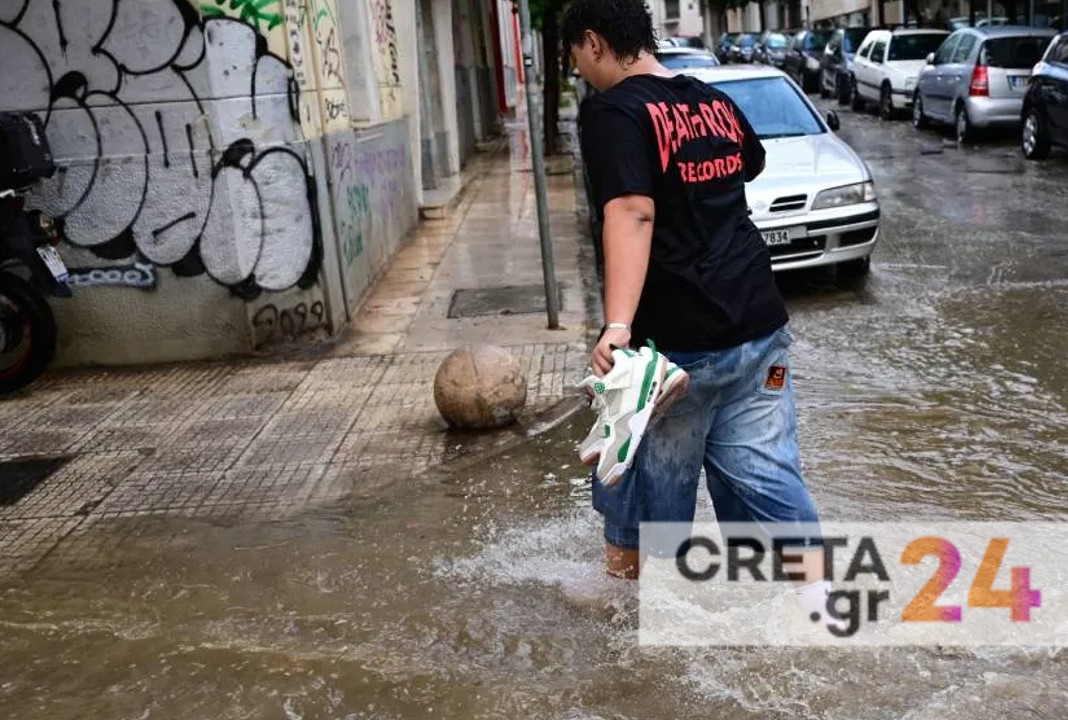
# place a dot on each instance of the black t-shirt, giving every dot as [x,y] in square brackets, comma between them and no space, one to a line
[688,147]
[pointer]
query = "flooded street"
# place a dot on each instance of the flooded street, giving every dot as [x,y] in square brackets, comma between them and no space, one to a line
[937,390]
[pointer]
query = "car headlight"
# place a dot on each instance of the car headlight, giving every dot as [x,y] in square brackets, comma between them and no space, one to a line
[845,195]
[812,63]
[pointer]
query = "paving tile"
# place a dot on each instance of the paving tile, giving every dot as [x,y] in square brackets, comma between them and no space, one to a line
[38,442]
[33,537]
[76,487]
[263,438]
[369,344]
[268,450]
[157,489]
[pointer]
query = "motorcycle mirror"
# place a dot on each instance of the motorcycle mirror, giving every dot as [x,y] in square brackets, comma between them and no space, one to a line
[833,122]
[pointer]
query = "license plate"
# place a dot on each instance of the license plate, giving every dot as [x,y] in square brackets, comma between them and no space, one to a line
[1017,82]
[54,262]
[776,237]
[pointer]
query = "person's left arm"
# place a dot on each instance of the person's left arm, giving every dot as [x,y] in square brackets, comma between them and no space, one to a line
[615,147]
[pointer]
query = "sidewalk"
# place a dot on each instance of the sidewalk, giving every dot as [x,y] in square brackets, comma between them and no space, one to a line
[264,438]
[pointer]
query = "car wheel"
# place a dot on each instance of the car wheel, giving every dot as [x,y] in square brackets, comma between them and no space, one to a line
[852,271]
[919,120]
[856,102]
[886,103]
[965,131]
[1033,141]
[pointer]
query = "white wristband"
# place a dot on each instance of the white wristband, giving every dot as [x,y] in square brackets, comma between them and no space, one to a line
[617,326]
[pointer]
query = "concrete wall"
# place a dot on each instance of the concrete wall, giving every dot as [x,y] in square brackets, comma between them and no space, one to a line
[744,19]
[825,9]
[208,207]
[374,199]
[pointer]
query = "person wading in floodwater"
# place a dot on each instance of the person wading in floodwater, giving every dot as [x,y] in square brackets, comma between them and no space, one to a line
[668,158]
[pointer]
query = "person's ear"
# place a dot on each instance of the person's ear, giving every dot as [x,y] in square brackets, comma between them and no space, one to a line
[594,41]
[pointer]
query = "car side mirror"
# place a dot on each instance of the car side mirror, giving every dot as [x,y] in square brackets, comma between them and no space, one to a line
[833,122]
[930,58]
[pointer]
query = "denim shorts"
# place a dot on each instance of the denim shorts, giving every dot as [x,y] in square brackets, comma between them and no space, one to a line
[739,422]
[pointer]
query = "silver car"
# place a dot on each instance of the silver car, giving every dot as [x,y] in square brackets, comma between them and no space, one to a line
[978,78]
[815,202]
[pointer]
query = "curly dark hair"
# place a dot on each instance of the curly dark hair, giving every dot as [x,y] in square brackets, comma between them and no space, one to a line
[624,24]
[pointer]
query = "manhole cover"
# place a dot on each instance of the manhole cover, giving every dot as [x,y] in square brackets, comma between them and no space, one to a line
[19,477]
[510,300]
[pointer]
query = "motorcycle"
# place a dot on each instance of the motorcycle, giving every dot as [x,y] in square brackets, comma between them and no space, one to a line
[30,264]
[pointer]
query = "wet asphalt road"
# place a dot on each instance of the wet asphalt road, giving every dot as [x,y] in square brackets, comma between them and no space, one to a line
[937,389]
[939,385]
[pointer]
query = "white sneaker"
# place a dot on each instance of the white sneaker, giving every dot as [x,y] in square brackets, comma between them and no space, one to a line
[639,385]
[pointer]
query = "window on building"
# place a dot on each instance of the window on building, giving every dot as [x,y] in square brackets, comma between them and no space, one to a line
[671,9]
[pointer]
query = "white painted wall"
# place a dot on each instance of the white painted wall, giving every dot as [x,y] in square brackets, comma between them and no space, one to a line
[442,14]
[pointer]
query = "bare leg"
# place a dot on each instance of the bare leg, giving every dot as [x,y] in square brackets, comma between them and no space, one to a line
[622,563]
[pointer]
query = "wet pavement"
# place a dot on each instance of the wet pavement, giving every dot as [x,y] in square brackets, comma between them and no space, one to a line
[934,390]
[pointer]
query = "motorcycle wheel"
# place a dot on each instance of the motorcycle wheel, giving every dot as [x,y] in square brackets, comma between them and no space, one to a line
[27,333]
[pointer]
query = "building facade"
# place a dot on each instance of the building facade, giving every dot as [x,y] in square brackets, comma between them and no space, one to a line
[233,174]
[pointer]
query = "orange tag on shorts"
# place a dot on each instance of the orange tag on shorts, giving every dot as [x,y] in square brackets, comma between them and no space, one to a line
[776,378]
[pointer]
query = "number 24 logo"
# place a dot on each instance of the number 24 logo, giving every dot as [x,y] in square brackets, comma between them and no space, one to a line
[1020,598]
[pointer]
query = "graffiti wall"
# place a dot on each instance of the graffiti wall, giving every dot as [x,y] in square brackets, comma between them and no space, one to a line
[386,57]
[374,197]
[185,132]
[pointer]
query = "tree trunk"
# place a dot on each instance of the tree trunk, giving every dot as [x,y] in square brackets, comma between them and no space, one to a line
[550,34]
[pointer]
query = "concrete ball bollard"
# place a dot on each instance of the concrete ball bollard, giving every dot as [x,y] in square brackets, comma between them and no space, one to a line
[480,387]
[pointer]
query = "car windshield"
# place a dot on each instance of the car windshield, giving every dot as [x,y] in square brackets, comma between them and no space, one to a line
[776,41]
[773,107]
[852,37]
[745,41]
[1014,53]
[816,40]
[681,61]
[915,47]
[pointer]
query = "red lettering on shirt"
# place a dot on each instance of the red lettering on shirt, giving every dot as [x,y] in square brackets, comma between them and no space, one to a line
[710,119]
[682,132]
[698,125]
[663,133]
[677,124]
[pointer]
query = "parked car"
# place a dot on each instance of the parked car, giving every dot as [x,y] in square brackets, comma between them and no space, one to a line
[959,23]
[684,58]
[771,49]
[723,46]
[684,41]
[978,78]
[837,62]
[742,48]
[815,202]
[804,57]
[887,65]
[1045,105]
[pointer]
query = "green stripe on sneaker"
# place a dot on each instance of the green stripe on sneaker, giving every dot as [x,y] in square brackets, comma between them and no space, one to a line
[623,450]
[647,382]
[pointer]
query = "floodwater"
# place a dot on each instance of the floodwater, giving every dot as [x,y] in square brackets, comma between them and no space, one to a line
[937,390]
